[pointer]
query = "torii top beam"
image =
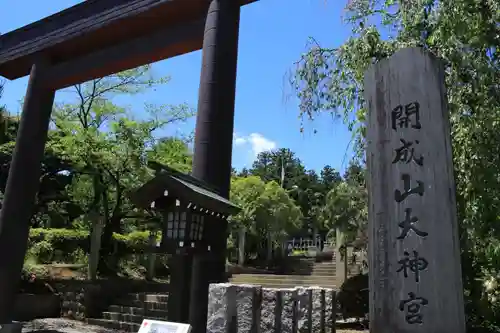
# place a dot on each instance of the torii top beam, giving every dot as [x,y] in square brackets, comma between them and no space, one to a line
[99,37]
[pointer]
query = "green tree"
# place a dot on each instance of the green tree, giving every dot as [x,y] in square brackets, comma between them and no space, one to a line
[346,211]
[53,207]
[246,192]
[329,177]
[244,173]
[355,173]
[465,34]
[282,215]
[283,167]
[267,213]
[173,152]
[277,165]
[110,148]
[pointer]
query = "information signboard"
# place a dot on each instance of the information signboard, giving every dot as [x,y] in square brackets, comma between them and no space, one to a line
[158,326]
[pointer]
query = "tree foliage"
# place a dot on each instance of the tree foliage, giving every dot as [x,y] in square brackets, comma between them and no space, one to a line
[305,187]
[267,211]
[346,210]
[466,35]
[97,152]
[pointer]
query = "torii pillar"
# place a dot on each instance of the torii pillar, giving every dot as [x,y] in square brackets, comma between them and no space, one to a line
[214,141]
[22,185]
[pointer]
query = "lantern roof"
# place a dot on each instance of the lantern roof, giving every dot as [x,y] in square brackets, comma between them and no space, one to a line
[190,191]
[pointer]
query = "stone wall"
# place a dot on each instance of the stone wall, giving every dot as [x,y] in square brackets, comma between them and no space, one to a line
[85,299]
[248,308]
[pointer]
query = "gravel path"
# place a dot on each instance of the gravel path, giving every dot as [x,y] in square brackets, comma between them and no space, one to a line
[54,325]
[61,325]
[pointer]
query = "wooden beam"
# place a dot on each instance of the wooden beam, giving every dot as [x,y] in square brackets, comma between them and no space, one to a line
[90,26]
[162,44]
[75,22]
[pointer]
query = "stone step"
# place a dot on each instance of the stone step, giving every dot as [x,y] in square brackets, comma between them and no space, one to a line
[114,325]
[127,317]
[294,282]
[271,277]
[326,263]
[313,270]
[324,268]
[142,304]
[317,265]
[329,274]
[147,297]
[323,273]
[140,311]
[289,286]
[321,268]
[287,283]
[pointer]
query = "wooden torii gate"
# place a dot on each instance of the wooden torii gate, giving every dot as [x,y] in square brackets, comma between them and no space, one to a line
[98,38]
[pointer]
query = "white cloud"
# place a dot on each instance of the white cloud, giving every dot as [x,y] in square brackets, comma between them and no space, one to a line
[260,143]
[255,141]
[238,140]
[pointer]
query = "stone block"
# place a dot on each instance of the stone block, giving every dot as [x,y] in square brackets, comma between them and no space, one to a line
[288,313]
[304,310]
[233,308]
[278,310]
[249,309]
[218,307]
[270,308]
[317,310]
[330,310]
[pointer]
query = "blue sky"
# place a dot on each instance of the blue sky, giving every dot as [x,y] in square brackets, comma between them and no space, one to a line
[273,34]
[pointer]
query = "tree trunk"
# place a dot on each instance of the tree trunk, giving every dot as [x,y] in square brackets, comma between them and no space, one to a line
[151,256]
[113,224]
[269,246]
[241,246]
[346,263]
[95,243]
[341,257]
[107,264]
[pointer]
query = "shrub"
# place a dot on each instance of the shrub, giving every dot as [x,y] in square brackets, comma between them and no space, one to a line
[353,297]
[134,242]
[79,257]
[42,251]
[298,253]
[65,240]
[70,240]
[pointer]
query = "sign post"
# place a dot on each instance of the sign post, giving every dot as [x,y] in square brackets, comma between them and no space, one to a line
[414,254]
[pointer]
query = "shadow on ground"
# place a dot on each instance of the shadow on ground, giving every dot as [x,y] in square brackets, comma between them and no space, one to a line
[352,326]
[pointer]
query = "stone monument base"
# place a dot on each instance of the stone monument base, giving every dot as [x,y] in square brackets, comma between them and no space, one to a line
[249,308]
